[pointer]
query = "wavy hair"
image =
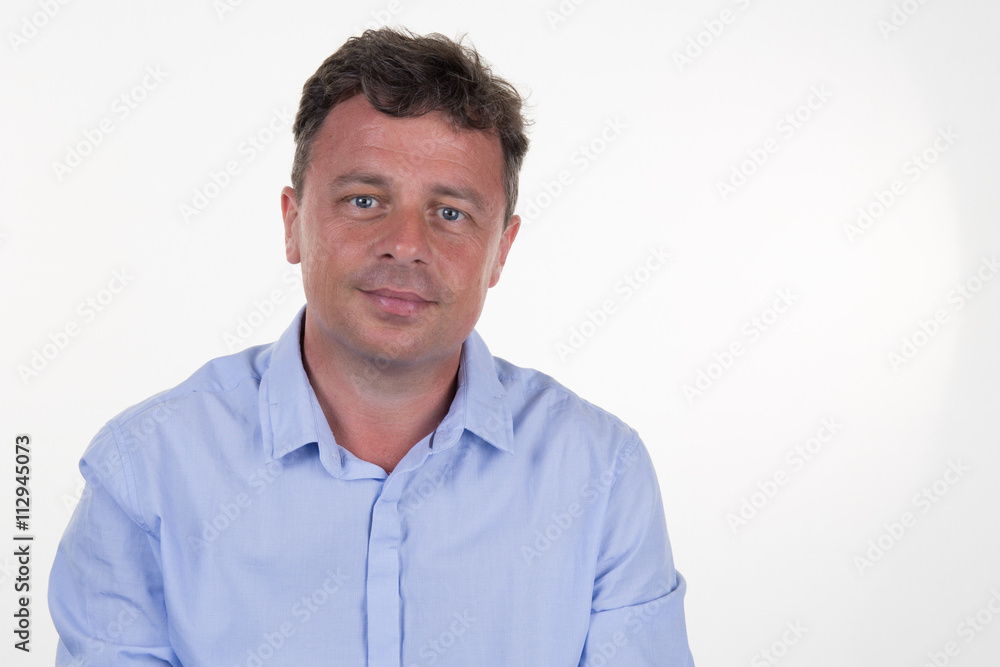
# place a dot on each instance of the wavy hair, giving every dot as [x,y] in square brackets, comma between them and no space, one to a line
[403,74]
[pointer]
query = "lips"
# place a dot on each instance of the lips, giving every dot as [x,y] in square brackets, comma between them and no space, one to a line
[397,303]
[393,294]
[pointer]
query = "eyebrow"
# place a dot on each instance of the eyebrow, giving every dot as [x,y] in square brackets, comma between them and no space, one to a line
[362,177]
[463,193]
[376,180]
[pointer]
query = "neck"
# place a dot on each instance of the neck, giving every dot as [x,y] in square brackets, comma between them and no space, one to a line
[377,409]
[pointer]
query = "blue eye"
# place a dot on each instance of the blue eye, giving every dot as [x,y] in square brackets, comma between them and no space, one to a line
[451,214]
[363,201]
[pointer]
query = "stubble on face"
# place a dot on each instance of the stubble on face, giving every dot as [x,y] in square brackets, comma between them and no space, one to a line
[419,162]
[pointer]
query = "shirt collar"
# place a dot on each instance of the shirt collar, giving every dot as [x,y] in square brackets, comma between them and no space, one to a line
[480,403]
[289,409]
[285,397]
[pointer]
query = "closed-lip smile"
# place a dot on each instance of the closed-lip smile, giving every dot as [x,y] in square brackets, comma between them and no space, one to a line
[393,294]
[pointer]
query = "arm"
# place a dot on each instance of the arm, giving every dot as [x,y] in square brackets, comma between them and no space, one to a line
[106,588]
[637,614]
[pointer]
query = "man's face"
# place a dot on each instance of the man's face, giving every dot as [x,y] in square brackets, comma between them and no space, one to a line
[399,233]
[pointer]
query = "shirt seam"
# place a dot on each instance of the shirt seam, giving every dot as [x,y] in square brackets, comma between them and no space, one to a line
[223,389]
[628,451]
[125,454]
[128,472]
[548,383]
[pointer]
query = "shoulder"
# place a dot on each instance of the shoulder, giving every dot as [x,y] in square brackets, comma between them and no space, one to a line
[211,384]
[156,442]
[226,385]
[543,406]
[528,388]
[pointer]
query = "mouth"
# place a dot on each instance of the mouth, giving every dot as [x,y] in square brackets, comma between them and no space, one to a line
[393,294]
[397,303]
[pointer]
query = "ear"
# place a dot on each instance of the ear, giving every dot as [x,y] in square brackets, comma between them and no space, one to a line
[506,240]
[290,214]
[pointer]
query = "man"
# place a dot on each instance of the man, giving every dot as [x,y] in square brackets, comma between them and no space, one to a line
[375,488]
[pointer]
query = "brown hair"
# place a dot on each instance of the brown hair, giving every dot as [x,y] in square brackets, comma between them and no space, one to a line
[403,74]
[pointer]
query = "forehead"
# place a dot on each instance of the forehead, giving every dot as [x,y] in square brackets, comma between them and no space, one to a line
[355,136]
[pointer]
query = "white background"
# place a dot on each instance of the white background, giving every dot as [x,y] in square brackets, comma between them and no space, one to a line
[679,129]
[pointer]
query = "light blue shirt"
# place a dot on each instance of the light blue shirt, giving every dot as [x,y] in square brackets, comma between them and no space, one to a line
[223,526]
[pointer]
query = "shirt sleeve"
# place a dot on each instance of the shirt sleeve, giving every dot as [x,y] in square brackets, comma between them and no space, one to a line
[106,587]
[637,614]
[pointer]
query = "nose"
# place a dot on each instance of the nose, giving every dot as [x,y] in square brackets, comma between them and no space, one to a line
[405,237]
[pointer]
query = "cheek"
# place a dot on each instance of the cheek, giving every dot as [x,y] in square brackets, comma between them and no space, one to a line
[324,249]
[319,273]
[469,265]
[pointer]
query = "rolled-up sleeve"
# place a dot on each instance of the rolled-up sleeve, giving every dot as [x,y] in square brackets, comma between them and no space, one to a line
[637,615]
[105,587]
